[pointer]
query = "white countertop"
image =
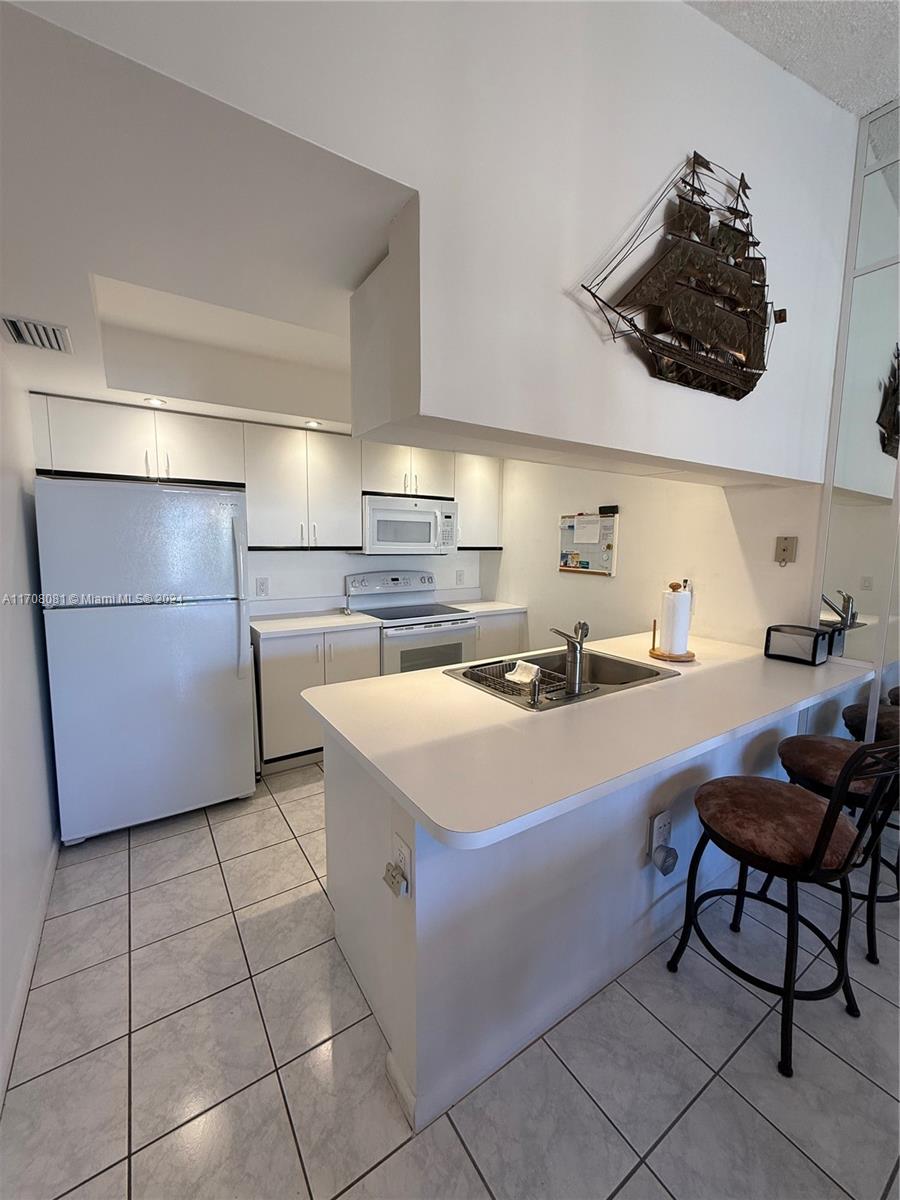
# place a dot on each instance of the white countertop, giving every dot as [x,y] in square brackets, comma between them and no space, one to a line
[336,619]
[326,622]
[489,607]
[474,769]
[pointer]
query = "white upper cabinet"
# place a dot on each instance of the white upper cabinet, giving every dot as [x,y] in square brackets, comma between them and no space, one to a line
[385,468]
[478,484]
[277,508]
[404,470]
[101,439]
[40,432]
[334,483]
[431,473]
[190,447]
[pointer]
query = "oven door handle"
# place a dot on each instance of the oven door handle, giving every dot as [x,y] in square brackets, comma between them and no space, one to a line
[417,630]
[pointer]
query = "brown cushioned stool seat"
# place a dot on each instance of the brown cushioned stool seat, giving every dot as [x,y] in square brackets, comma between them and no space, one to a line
[887,723]
[894,695]
[772,820]
[817,759]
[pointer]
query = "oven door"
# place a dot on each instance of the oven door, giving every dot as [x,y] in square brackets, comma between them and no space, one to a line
[417,647]
[395,525]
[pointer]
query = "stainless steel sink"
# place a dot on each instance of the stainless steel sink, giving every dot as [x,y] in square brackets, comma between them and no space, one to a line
[602,674]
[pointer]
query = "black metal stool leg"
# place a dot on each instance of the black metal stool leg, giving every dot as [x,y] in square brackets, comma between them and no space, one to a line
[843,947]
[739,899]
[790,980]
[767,883]
[690,893]
[871,902]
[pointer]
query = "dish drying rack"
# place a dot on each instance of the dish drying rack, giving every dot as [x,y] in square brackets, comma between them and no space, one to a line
[547,685]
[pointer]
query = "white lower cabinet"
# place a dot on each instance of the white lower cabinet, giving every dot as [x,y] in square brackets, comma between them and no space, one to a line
[290,663]
[501,634]
[352,654]
[287,666]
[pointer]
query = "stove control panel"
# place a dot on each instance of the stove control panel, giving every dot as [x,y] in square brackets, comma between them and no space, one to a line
[389,582]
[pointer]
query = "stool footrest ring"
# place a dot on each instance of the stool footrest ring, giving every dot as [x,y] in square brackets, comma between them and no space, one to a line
[764,984]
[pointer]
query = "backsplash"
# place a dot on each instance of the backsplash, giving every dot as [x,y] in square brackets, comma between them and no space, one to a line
[312,581]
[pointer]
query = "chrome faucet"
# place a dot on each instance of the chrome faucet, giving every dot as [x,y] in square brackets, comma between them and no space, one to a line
[574,656]
[847,612]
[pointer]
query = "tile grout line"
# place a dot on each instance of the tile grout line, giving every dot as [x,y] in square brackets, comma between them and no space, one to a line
[368,1171]
[262,1018]
[470,1156]
[643,1158]
[91,1178]
[891,1178]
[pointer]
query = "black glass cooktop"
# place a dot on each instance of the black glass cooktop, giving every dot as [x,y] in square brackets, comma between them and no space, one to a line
[412,612]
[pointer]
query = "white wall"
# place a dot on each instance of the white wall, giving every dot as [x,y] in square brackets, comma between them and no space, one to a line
[303,581]
[534,133]
[145,362]
[862,542]
[722,539]
[27,804]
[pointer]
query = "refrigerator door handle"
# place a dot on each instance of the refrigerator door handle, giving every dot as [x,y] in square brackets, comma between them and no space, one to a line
[243,658]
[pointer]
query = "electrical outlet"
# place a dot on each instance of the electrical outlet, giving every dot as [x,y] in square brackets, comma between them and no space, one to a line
[785,550]
[262,585]
[402,857]
[660,831]
[866,583]
[460,578]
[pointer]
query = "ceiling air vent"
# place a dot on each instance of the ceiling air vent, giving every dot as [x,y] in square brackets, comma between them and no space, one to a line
[40,334]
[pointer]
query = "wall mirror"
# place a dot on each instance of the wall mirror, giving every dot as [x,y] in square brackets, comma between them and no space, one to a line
[861,548]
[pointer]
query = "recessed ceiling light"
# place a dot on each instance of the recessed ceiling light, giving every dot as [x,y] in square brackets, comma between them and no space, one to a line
[313,424]
[155,401]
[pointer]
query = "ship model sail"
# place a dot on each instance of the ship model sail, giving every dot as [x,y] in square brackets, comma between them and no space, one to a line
[700,309]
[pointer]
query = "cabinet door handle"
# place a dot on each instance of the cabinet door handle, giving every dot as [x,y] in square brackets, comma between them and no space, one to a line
[405,478]
[302,533]
[417,483]
[318,652]
[331,651]
[168,472]
[147,462]
[315,534]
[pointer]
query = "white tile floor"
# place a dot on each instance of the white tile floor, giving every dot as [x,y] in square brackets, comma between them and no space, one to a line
[194,1031]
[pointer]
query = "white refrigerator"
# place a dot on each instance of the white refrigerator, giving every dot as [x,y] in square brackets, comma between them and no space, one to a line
[148,649]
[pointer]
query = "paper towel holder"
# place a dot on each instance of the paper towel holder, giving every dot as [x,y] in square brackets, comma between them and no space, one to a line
[688,655]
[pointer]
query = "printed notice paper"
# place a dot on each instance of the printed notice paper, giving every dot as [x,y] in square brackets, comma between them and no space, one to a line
[587,529]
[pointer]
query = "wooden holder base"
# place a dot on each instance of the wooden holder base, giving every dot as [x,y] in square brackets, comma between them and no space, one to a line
[689,656]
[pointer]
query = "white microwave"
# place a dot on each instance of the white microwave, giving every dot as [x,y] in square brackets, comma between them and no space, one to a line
[408,525]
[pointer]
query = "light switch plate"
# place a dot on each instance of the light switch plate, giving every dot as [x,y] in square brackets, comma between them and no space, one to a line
[262,585]
[785,550]
[460,578]
[866,583]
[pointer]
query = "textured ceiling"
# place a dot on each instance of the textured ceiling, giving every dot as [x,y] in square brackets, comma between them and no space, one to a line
[845,49]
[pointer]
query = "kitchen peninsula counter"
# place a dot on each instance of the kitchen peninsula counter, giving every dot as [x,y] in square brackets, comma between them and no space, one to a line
[503,768]
[523,838]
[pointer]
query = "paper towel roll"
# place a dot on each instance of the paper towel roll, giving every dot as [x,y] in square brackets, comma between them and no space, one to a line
[675,622]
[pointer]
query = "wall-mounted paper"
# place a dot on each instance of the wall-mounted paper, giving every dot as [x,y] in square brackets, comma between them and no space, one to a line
[587,529]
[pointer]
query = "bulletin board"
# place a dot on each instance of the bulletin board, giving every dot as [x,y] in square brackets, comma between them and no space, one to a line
[588,541]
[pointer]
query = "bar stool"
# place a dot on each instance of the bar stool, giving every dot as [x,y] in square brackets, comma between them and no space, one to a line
[887,722]
[894,696]
[788,832]
[815,762]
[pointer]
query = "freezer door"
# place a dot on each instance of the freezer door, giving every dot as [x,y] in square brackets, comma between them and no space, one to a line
[107,538]
[152,712]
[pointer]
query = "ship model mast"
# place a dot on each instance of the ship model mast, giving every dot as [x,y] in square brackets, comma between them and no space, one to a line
[701,308]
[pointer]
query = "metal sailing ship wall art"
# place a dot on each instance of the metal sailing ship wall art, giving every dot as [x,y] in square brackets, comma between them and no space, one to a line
[700,309]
